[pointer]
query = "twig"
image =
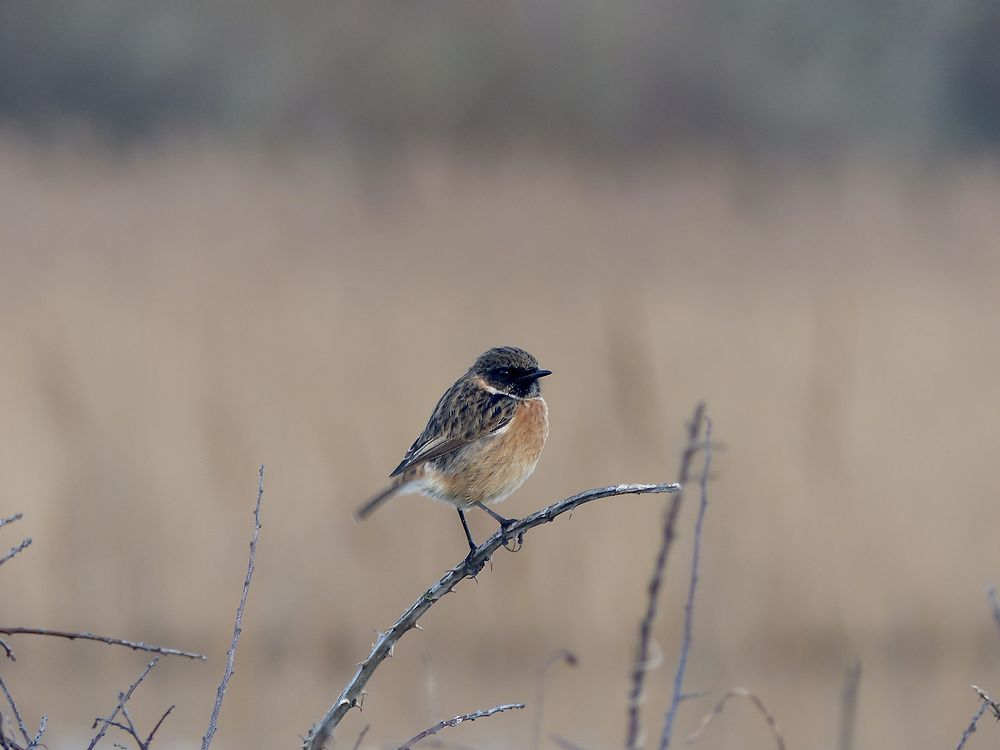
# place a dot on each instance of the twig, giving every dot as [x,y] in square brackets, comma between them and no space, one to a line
[38,737]
[25,543]
[970,730]
[362,736]
[352,692]
[7,650]
[849,706]
[17,714]
[130,728]
[10,519]
[682,659]
[156,728]
[458,720]
[562,655]
[642,656]
[122,700]
[991,594]
[987,703]
[565,743]
[779,741]
[134,645]
[238,626]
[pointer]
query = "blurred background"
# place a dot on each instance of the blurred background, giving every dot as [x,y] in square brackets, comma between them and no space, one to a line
[238,234]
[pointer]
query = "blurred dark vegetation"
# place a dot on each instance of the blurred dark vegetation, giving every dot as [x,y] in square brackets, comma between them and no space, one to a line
[803,76]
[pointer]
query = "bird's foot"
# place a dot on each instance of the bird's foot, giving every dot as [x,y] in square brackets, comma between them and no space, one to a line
[505,525]
[472,567]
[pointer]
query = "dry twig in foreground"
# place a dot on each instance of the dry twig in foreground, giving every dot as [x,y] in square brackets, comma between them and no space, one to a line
[238,626]
[383,646]
[643,660]
[779,741]
[122,700]
[682,659]
[564,656]
[458,720]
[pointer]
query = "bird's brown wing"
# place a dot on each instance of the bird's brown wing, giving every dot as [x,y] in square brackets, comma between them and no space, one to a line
[466,413]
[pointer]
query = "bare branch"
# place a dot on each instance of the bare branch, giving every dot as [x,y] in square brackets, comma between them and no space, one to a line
[156,728]
[38,737]
[122,700]
[993,705]
[10,519]
[129,727]
[779,741]
[351,694]
[134,645]
[643,660]
[970,730]
[562,655]
[849,706]
[987,703]
[17,714]
[991,594]
[25,543]
[238,626]
[682,660]
[361,736]
[7,650]
[458,720]
[565,743]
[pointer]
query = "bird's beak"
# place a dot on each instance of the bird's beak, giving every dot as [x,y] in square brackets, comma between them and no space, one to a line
[534,376]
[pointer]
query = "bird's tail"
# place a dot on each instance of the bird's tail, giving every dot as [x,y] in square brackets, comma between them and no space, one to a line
[387,494]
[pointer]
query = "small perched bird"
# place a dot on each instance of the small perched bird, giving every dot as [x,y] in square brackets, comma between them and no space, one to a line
[482,441]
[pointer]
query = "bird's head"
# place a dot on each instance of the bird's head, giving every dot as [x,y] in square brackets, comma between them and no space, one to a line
[510,370]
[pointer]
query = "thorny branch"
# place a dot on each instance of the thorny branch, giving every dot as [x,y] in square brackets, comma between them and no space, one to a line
[642,659]
[351,695]
[238,625]
[458,720]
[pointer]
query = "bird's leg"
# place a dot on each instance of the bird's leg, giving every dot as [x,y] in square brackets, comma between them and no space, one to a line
[468,535]
[505,523]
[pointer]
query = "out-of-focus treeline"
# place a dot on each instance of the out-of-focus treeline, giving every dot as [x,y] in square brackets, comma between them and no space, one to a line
[804,76]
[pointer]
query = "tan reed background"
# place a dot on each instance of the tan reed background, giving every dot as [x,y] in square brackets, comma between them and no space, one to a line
[172,317]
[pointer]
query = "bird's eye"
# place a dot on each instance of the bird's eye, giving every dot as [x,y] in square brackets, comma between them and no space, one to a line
[504,372]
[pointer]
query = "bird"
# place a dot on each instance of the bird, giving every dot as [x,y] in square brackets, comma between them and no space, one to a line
[482,440]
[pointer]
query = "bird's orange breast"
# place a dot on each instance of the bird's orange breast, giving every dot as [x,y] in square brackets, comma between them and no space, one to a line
[491,469]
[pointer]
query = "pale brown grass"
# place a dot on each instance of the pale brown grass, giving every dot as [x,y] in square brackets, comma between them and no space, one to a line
[173,317]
